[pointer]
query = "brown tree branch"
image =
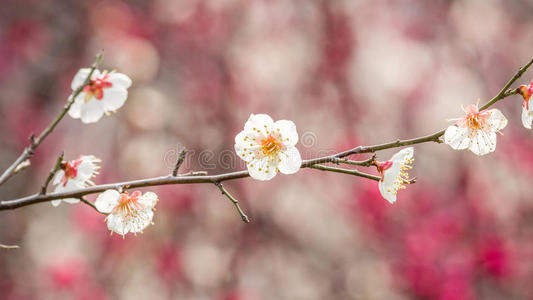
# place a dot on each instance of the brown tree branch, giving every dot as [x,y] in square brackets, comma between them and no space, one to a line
[201,178]
[23,160]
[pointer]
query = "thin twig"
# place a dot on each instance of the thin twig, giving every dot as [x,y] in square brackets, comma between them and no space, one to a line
[345,171]
[193,178]
[56,168]
[36,141]
[181,158]
[90,204]
[244,217]
[9,246]
[365,163]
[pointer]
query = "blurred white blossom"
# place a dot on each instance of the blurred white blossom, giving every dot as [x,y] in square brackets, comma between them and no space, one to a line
[106,92]
[75,174]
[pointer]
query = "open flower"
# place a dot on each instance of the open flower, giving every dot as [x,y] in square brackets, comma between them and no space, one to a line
[394,173]
[75,174]
[127,213]
[105,92]
[268,147]
[527,110]
[476,131]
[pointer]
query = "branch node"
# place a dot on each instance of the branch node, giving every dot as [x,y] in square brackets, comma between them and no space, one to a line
[179,162]
[22,166]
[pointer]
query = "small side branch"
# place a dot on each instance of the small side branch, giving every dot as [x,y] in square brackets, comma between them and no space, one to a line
[345,171]
[181,158]
[56,168]
[89,203]
[244,217]
[365,163]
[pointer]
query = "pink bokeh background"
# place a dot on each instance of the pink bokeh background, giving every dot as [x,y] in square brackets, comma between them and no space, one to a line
[347,73]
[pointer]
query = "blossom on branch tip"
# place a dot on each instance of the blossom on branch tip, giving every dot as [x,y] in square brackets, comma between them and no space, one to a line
[127,213]
[75,174]
[106,92]
[394,173]
[476,131]
[527,110]
[268,147]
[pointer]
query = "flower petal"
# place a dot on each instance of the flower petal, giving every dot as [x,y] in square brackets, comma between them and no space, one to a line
[260,123]
[86,169]
[483,142]
[262,169]
[75,109]
[106,201]
[287,129]
[114,98]
[496,120]
[91,111]
[71,200]
[385,188]
[291,161]
[401,155]
[119,79]
[80,77]
[141,221]
[457,137]
[57,178]
[117,224]
[245,146]
[527,118]
[148,200]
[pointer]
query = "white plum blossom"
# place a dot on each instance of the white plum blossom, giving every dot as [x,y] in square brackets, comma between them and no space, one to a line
[106,92]
[268,147]
[476,131]
[75,174]
[127,213]
[527,110]
[394,173]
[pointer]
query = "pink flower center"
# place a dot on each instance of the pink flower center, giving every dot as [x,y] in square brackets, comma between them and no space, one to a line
[96,88]
[382,166]
[71,170]
[526,91]
[474,119]
[271,145]
[128,205]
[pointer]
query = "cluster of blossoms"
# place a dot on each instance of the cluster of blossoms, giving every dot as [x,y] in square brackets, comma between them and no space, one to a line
[266,146]
[269,147]
[104,93]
